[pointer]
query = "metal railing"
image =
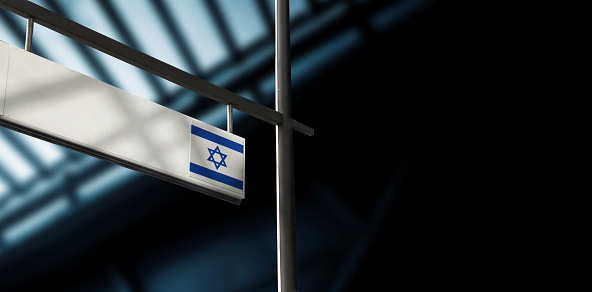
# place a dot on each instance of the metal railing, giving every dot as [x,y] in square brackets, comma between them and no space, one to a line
[37,14]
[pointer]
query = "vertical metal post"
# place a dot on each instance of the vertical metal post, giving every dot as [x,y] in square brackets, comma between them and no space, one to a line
[285,209]
[29,37]
[229,118]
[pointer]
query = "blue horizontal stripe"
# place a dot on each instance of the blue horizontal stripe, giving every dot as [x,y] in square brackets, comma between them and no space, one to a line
[216,139]
[231,181]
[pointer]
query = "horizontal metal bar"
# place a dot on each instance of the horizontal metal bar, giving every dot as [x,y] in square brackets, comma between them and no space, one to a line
[143,61]
[302,128]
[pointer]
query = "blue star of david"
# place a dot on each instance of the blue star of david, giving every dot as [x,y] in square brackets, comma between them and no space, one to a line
[211,158]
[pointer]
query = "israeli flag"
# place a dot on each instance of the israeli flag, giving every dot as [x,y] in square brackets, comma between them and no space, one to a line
[217,157]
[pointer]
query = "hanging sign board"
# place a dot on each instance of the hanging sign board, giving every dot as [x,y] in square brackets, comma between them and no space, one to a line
[51,102]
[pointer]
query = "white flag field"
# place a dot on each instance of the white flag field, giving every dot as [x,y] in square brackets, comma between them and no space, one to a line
[216,159]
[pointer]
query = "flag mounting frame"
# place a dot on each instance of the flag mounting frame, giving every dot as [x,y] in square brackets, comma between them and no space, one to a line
[281,118]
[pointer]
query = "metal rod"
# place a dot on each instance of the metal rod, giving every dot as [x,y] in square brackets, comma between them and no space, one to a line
[229,120]
[29,38]
[285,212]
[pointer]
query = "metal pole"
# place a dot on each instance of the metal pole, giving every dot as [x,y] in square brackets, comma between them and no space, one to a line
[286,217]
[29,38]
[229,118]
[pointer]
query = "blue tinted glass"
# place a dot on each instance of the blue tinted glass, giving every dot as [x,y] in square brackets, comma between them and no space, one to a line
[48,154]
[151,35]
[297,8]
[3,189]
[6,34]
[196,25]
[14,162]
[40,219]
[244,19]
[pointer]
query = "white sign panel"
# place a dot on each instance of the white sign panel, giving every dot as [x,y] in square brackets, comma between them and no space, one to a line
[54,103]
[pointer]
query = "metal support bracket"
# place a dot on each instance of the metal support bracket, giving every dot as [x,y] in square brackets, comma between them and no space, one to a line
[229,118]
[29,38]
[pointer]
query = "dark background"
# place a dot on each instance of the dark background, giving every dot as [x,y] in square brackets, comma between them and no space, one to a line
[381,187]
